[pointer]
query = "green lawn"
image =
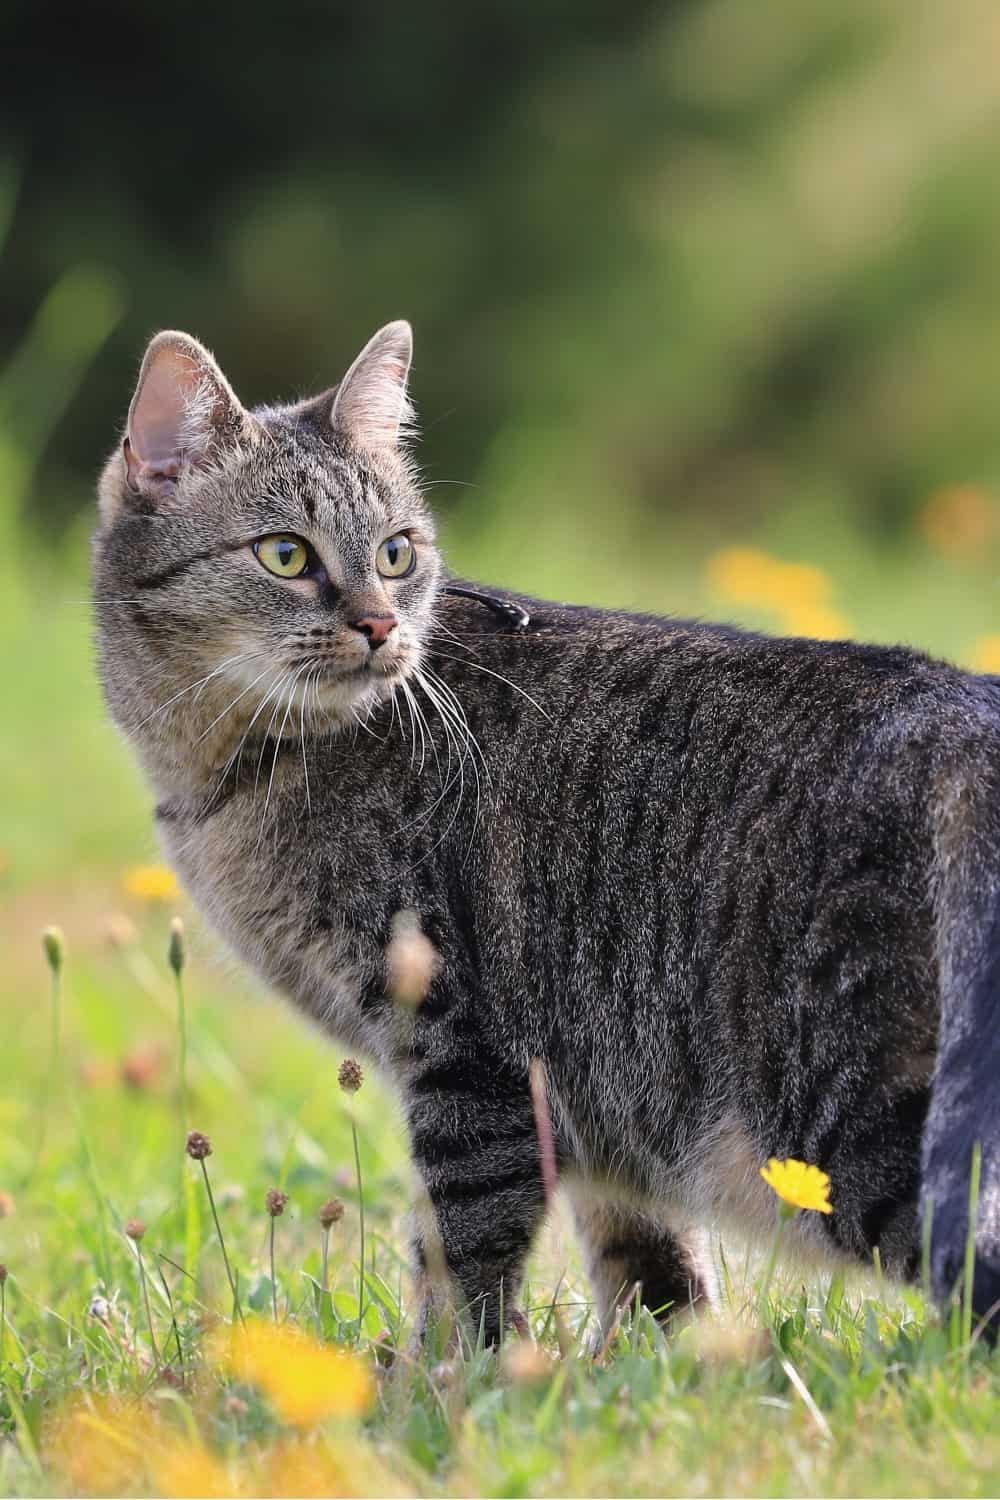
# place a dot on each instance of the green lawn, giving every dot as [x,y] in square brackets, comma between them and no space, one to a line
[831,1389]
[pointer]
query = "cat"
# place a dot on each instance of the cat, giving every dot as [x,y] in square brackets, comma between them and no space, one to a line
[739,895]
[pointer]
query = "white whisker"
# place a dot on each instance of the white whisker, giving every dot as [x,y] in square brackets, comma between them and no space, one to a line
[238,699]
[475,667]
[201,682]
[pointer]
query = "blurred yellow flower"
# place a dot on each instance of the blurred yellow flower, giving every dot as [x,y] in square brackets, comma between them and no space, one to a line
[98,1444]
[816,621]
[305,1381]
[986,654]
[798,1184]
[186,1470]
[959,520]
[743,574]
[151,883]
[308,1468]
[799,594]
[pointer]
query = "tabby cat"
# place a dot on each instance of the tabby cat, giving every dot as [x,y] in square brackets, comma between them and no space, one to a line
[739,895]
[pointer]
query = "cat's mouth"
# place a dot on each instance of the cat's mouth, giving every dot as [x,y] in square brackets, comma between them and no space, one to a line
[368,671]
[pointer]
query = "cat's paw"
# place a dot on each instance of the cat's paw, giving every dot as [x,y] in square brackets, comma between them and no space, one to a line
[948,1253]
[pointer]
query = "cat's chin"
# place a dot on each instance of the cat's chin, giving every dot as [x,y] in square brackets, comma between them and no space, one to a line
[349,696]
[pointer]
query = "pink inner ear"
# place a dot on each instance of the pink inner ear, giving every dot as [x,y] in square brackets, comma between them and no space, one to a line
[159,414]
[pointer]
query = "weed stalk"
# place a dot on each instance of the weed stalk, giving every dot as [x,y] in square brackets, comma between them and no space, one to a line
[968,1279]
[199,1148]
[134,1231]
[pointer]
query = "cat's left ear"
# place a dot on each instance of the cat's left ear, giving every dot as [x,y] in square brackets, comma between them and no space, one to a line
[182,410]
[371,406]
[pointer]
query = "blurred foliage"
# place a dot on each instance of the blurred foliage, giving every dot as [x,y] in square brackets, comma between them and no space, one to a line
[712,261]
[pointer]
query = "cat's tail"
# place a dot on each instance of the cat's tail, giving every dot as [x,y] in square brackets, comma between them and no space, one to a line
[963,1118]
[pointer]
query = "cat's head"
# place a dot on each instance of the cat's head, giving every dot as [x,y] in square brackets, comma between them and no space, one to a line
[273,562]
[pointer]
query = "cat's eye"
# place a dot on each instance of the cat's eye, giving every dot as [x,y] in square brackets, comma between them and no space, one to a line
[286,556]
[396,557]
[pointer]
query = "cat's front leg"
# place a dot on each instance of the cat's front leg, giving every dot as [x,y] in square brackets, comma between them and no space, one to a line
[475,1148]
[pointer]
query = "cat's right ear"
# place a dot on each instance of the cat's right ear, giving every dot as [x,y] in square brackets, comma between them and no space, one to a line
[183,410]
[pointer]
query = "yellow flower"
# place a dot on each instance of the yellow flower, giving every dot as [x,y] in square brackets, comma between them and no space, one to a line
[743,574]
[815,620]
[799,1184]
[986,654]
[151,883]
[98,1444]
[798,593]
[186,1470]
[304,1467]
[304,1380]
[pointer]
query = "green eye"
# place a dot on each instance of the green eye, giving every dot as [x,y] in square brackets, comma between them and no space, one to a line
[286,556]
[397,557]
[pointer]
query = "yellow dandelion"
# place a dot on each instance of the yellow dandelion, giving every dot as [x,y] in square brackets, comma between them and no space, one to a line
[151,883]
[305,1381]
[815,620]
[798,1184]
[743,574]
[98,1444]
[304,1467]
[986,654]
[800,586]
[186,1470]
[799,593]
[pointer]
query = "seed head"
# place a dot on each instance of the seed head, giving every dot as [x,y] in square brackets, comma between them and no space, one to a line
[54,945]
[351,1075]
[276,1201]
[412,961]
[175,948]
[331,1212]
[120,930]
[100,1308]
[135,1229]
[138,1069]
[198,1146]
[3,1273]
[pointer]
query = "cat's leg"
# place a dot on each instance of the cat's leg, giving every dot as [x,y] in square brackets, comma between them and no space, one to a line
[963,1119]
[474,1144]
[624,1246]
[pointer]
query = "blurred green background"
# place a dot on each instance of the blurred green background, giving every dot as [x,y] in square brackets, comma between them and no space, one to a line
[706,300]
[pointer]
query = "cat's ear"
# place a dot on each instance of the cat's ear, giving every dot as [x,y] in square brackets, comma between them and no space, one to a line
[182,410]
[371,406]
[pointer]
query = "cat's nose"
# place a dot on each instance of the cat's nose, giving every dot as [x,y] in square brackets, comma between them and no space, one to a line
[376,628]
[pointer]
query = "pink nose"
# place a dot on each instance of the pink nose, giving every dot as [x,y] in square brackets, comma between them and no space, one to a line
[377,628]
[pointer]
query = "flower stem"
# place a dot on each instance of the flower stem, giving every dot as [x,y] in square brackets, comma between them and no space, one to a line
[51,1085]
[361,1219]
[222,1242]
[325,1262]
[145,1298]
[784,1214]
[3,1324]
[274,1283]
[182,1092]
[173,1320]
